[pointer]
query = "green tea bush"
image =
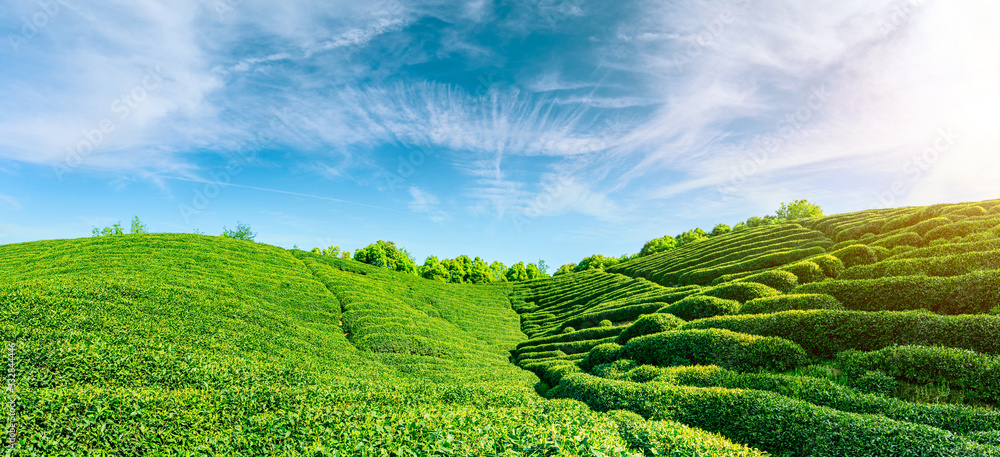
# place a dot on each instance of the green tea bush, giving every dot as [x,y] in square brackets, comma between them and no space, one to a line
[875,382]
[596,333]
[782,281]
[973,293]
[727,349]
[648,325]
[806,271]
[960,229]
[858,254]
[741,292]
[705,276]
[769,421]
[700,307]
[831,266]
[601,354]
[965,210]
[824,392]
[790,302]
[930,224]
[902,239]
[977,373]
[605,323]
[673,438]
[824,333]
[955,265]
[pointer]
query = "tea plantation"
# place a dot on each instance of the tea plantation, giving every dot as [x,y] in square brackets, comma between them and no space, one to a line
[874,333]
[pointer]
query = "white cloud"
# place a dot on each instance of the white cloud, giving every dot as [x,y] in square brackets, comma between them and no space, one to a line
[424,202]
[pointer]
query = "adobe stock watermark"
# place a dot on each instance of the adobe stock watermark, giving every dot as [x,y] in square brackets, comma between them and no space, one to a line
[915,168]
[900,15]
[554,187]
[407,166]
[222,177]
[120,109]
[786,126]
[710,34]
[12,397]
[32,24]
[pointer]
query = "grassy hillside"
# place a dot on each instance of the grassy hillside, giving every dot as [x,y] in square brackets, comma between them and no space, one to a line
[195,345]
[870,333]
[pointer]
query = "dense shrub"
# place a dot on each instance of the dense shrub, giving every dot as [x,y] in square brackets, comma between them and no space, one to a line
[601,354]
[971,293]
[930,224]
[831,266]
[769,421]
[700,307]
[806,271]
[979,374]
[741,291]
[965,210]
[960,229]
[824,333]
[902,239]
[622,314]
[596,333]
[540,355]
[706,275]
[782,281]
[790,302]
[825,392]
[605,323]
[875,382]
[650,324]
[673,438]
[857,254]
[954,265]
[736,351]
[569,347]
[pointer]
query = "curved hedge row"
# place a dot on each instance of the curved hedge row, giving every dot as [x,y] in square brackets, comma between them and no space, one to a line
[974,293]
[740,291]
[736,351]
[824,333]
[963,228]
[700,307]
[956,265]
[902,239]
[824,392]
[782,281]
[806,271]
[675,439]
[650,324]
[930,224]
[596,333]
[705,276]
[790,302]
[978,373]
[769,421]
[858,254]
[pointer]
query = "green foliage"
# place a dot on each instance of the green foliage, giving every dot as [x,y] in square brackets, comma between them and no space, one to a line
[824,333]
[600,354]
[690,236]
[736,351]
[902,239]
[977,374]
[137,226]
[241,232]
[648,325]
[781,303]
[769,421]
[114,229]
[700,307]
[654,246]
[972,293]
[657,437]
[798,209]
[385,254]
[721,229]
[805,271]
[741,291]
[565,269]
[857,254]
[780,280]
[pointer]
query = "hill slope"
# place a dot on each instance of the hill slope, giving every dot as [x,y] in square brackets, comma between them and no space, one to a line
[194,345]
[870,333]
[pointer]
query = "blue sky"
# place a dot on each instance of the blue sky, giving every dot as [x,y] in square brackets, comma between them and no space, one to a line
[512,130]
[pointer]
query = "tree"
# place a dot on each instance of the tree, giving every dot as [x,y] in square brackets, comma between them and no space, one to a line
[433,269]
[385,254]
[114,229]
[517,272]
[798,209]
[691,236]
[499,271]
[480,272]
[543,267]
[137,226]
[568,268]
[533,271]
[665,243]
[720,229]
[346,255]
[242,232]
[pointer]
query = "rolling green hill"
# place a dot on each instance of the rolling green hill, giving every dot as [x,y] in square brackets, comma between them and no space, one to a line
[869,333]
